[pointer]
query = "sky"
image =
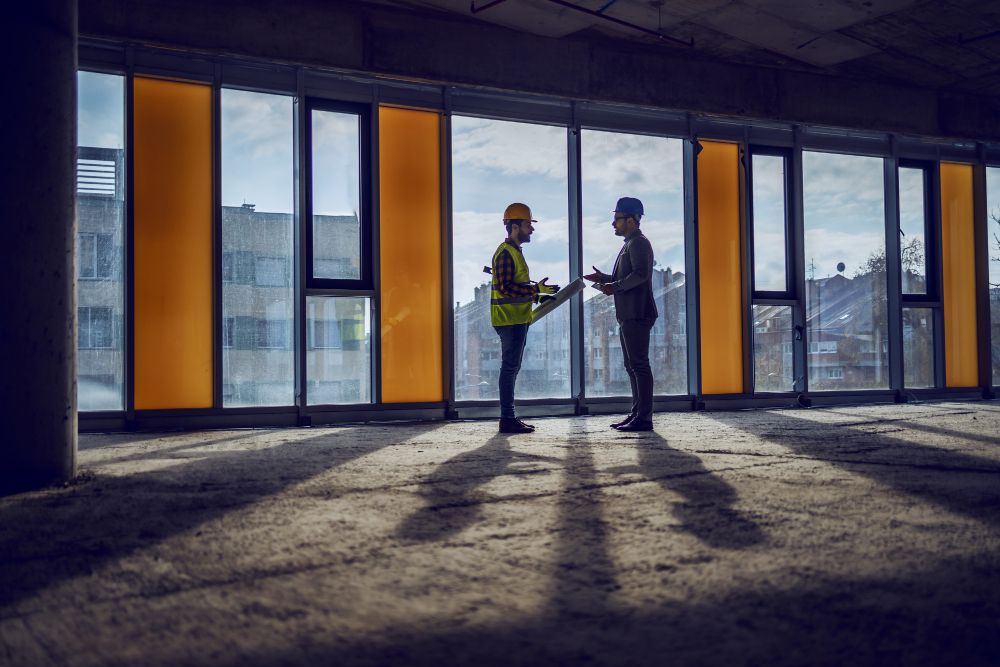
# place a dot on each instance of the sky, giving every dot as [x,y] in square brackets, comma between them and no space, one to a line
[101,105]
[844,207]
[769,223]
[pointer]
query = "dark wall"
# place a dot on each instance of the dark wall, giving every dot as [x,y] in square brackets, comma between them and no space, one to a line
[458,50]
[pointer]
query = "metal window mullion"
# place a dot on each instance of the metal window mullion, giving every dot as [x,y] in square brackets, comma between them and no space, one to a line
[373,236]
[934,186]
[746,271]
[692,279]
[301,220]
[893,276]
[217,356]
[796,227]
[578,388]
[128,242]
[447,288]
[980,230]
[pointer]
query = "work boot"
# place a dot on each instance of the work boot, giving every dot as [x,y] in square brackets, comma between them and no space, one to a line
[627,419]
[525,424]
[514,425]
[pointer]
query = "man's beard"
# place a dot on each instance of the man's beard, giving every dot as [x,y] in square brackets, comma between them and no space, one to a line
[523,237]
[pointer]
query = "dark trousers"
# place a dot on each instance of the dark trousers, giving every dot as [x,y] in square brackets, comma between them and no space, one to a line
[512,339]
[634,335]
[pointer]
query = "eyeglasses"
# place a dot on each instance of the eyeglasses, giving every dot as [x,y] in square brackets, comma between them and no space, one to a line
[620,217]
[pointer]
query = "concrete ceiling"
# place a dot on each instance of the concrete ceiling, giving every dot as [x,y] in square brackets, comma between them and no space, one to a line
[941,44]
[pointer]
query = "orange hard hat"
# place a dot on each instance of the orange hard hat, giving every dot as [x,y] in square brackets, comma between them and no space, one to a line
[517,211]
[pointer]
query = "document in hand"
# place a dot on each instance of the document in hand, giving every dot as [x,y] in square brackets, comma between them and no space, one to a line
[558,299]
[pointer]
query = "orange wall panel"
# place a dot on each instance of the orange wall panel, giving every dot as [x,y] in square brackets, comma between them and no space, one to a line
[173,244]
[719,269]
[959,284]
[410,252]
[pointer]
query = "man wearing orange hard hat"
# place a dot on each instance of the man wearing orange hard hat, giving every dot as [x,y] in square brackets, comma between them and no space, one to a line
[510,307]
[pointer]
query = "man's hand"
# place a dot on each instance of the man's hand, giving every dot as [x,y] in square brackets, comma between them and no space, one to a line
[545,288]
[597,276]
[605,288]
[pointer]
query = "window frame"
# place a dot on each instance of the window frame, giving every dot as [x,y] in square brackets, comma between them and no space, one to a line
[771,297]
[367,255]
[932,298]
[932,237]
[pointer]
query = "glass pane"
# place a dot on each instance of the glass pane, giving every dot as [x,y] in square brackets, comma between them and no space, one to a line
[912,224]
[772,348]
[918,347]
[258,201]
[495,163]
[769,223]
[650,168]
[336,195]
[338,350]
[99,256]
[993,243]
[845,271]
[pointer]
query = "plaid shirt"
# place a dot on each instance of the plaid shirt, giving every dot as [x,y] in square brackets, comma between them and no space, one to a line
[503,276]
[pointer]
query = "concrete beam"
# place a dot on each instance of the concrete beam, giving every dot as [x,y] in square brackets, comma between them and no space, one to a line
[451,49]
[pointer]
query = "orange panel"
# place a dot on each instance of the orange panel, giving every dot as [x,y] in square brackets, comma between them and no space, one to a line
[719,271]
[410,250]
[959,287]
[173,244]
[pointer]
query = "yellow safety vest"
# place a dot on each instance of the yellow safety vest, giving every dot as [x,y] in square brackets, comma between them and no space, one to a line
[506,310]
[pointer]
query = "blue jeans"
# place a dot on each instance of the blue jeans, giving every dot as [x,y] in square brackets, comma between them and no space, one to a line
[512,339]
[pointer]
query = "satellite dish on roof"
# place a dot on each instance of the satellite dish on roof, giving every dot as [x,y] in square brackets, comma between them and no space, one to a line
[840,267]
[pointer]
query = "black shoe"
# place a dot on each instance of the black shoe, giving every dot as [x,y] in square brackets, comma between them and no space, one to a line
[637,425]
[512,425]
[525,425]
[623,422]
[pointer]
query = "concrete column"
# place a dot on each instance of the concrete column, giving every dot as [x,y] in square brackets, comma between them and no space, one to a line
[37,242]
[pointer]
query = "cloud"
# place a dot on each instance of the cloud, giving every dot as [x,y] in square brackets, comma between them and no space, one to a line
[509,148]
[826,247]
[257,150]
[630,164]
[101,110]
[846,190]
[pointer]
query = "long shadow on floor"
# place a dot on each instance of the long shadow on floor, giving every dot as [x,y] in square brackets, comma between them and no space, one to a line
[50,536]
[918,423]
[453,492]
[707,510]
[961,483]
[584,578]
[942,615]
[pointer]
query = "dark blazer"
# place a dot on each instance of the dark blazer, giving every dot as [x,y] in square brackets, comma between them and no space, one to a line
[632,279]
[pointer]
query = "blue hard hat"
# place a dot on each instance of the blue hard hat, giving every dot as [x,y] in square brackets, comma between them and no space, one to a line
[629,206]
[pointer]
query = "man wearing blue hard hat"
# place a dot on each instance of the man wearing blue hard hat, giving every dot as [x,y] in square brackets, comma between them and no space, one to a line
[631,284]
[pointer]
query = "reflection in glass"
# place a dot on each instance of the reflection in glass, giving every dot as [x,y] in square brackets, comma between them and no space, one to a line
[257,249]
[845,271]
[336,195]
[912,224]
[650,168]
[769,223]
[993,245]
[99,255]
[772,348]
[495,163]
[918,347]
[338,350]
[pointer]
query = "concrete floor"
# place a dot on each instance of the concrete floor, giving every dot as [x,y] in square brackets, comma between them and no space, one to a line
[845,536]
